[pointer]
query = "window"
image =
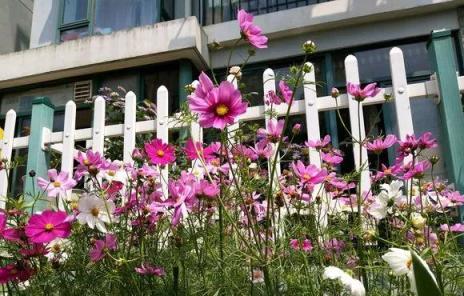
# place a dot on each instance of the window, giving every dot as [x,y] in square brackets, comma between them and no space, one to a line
[80,18]
[74,22]
[115,15]
[217,11]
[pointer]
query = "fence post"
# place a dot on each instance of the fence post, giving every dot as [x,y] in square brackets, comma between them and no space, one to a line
[441,52]
[38,158]
[98,126]
[6,148]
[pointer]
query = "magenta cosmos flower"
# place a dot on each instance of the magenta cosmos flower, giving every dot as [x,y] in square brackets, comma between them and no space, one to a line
[160,153]
[359,94]
[148,269]
[57,183]
[273,131]
[100,247]
[378,145]
[218,107]
[251,32]
[45,227]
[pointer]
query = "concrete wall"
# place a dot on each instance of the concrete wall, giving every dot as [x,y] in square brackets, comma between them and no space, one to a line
[15,25]
[44,22]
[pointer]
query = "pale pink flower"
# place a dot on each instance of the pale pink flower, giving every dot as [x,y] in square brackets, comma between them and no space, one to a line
[319,144]
[57,184]
[274,129]
[251,32]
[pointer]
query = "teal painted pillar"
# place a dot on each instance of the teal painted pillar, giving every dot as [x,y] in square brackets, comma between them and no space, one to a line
[442,55]
[185,78]
[38,159]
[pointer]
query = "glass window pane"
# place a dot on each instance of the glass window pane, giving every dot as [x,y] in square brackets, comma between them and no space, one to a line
[73,34]
[74,10]
[114,15]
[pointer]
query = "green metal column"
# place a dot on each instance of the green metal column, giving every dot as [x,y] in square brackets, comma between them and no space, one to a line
[442,55]
[185,78]
[37,159]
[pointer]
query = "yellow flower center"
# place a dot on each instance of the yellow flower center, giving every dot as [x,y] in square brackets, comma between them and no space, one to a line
[306,177]
[55,248]
[222,110]
[56,184]
[160,153]
[49,227]
[111,173]
[95,212]
[86,162]
[409,264]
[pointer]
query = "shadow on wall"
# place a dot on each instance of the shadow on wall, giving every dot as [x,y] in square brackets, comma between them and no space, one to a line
[22,39]
[46,22]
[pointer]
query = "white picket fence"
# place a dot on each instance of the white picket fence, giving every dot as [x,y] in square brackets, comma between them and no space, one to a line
[310,106]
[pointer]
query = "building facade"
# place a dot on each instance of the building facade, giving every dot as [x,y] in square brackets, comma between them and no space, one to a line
[79,46]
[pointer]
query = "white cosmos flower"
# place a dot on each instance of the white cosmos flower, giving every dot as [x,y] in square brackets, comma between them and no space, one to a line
[57,250]
[379,209]
[94,211]
[400,262]
[355,287]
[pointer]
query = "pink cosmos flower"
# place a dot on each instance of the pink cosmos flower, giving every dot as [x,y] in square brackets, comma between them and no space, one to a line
[286,92]
[20,271]
[308,174]
[100,247]
[207,189]
[359,94]
[417,171]
[219,107]
[251,32]
[193,149]
[295,244]
[182,198]
[426,141]
[333,157]
[160,153]
[273,131]
[334,245]
[458,227]
[57,183]
[456,197]
[305,245]
[262,149]
[378,145]
[319,144]
[147,269]
[272,98]
[45,227]
[89,163]
[203,88]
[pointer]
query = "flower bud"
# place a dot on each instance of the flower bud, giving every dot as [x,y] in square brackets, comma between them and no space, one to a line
[236,71]
[434,159]
[189,88]
[335,92]
[32,173]
[417,221]
[296,129]
[309,47]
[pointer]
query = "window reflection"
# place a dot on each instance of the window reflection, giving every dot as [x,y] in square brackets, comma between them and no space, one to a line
[74,10]
[114,15]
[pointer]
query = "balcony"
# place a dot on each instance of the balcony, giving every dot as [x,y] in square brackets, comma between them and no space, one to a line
[218,11]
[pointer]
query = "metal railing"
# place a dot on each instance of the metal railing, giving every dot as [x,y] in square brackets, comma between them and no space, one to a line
[216,11]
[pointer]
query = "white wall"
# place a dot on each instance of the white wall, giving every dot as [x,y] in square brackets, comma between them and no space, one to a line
[15,25]
[44,22]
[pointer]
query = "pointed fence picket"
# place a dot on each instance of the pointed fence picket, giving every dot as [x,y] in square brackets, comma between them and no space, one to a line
[357,124]
[162,130]
[310,106]
[269,85]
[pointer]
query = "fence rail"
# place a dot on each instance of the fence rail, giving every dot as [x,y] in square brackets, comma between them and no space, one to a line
[64,141]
